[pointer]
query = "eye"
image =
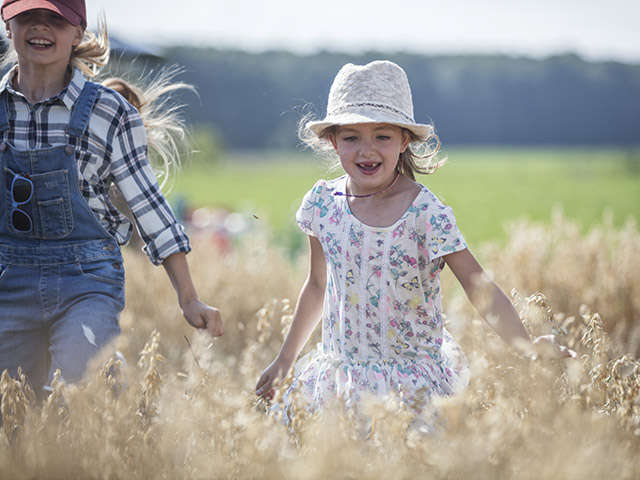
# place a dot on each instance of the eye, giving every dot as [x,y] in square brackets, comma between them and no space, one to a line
[350,138]
[383,137]
[25,15]
[54,17]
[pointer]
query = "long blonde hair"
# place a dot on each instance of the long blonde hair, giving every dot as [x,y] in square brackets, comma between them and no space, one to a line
[167,132]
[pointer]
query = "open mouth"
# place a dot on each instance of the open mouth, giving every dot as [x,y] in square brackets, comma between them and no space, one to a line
[369,167]
[40,43]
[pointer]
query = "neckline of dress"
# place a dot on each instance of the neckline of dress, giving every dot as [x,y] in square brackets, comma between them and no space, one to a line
[343,181]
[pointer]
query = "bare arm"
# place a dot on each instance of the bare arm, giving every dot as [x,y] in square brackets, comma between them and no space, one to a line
[197,313]
[487,297]
[305,318]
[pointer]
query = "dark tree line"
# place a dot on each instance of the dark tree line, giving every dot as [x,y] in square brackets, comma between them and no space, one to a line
[254,100]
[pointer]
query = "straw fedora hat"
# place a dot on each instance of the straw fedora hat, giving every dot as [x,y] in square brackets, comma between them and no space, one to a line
[377,92]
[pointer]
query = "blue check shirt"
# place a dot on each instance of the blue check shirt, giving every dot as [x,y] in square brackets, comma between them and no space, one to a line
[113,152]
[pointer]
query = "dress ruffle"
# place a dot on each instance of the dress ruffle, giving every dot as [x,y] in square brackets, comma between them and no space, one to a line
[320,377]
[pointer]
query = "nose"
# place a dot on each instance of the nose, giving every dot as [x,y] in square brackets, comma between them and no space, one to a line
[366,147]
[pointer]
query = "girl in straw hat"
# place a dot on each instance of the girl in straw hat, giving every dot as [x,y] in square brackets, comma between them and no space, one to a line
[378,242]
[64,141]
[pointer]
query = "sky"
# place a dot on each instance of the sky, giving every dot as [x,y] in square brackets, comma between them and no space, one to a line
[535,28]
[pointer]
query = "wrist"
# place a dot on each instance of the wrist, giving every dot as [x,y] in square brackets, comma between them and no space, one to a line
[186,296]
[286,359]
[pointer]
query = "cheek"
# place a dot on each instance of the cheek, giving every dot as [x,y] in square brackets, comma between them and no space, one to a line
[347,161]
[392,151]
[346,149]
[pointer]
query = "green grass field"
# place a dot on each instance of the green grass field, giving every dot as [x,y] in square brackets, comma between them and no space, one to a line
[487,187]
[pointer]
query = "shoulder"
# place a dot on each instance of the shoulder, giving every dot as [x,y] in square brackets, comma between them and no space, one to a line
[114,123]
[109,99]
[316,205]
[114,117]
[426,200]
[325,188]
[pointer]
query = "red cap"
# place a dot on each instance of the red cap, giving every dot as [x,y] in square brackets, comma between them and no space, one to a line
[73,11]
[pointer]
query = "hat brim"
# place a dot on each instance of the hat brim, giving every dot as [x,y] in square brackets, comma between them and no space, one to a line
[422,131]
[16,8]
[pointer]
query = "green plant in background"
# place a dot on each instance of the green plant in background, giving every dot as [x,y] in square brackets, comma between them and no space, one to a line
[487,187]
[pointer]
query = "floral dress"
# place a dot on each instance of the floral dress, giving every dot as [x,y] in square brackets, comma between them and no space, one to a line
[382,326]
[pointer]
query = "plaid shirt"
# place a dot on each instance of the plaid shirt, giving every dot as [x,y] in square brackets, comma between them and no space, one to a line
[113,151]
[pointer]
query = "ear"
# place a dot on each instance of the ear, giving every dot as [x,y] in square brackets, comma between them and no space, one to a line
[406,140]
[332,138]
[79,36]
[7,30]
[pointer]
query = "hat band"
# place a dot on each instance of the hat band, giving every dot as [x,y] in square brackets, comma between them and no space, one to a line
[381,106]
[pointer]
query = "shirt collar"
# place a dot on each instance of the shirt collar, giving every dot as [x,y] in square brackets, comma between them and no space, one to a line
[68,95]
[71,93]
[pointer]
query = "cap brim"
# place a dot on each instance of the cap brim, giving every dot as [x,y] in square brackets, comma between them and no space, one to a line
[16,8]
[422,131]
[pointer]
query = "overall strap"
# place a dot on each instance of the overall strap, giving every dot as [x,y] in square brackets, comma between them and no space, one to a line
[82,109]
[4,113]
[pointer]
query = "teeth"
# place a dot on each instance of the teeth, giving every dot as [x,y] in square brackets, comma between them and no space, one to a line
[41,42]
[368,166]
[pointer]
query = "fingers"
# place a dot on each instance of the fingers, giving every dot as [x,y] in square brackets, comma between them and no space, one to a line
[265,388]
[204,317]
[213,323]
[264,384]
[269,394]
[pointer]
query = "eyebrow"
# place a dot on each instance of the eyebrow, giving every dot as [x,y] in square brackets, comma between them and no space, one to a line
[346,128]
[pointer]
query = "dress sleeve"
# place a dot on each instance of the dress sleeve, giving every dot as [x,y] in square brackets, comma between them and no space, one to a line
[444,237]
[312,209]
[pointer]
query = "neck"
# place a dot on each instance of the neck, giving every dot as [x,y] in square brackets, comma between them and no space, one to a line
[38,84]
[381,192]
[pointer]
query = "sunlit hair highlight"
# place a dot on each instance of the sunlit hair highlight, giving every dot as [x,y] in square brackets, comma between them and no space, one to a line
[93,52]
[167,132]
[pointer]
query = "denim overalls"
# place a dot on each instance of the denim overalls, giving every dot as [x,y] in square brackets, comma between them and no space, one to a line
[62,282]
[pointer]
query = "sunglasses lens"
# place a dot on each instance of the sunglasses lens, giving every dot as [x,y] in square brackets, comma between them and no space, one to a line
[22,190]
[20,221]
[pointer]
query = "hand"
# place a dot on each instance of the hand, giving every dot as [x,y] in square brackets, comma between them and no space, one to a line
[276,371]
[198,314]
[550,343]
[203,317]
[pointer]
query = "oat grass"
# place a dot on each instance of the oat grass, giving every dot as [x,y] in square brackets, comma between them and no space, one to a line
[183,405]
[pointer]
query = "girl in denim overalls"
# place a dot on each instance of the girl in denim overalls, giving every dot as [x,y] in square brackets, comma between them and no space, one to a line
[63,140]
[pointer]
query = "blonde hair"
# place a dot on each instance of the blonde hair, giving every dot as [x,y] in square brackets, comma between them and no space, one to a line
[93,52]
[420,157]
[167,132]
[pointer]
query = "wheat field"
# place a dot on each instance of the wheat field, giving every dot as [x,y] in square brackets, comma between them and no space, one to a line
[182,406]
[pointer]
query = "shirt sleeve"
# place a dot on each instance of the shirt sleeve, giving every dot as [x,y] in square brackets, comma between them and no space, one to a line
[444,237]
[136,180]
[312,209]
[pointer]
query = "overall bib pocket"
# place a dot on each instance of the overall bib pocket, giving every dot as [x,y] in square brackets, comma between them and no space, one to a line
[53,206]
[19,214]
[46,214]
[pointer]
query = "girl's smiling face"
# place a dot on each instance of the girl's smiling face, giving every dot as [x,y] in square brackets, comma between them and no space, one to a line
[42,37]
[369,154]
